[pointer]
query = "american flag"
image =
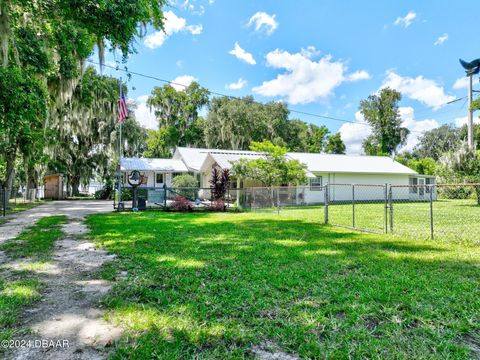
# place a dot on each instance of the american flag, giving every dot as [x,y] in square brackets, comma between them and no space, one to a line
[122,107]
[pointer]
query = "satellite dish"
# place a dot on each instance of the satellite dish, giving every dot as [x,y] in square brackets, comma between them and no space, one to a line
[472,67]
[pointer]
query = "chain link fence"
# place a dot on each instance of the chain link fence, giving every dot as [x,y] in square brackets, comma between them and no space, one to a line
[440,211]
[443,211]
[18,199]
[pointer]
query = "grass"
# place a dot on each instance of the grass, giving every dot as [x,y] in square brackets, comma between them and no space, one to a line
[20,288]
[212,285]
[452,219]
[38,240]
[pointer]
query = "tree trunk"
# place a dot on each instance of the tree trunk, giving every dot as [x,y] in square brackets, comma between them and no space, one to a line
[75,185]
[32,182]
[10,170]
[4,31]
[477,191]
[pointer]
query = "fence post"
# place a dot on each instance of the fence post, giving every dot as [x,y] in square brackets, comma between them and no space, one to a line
[390,201]
[431,212]
[353,205]
[164,197]
[325,208]
[386,208]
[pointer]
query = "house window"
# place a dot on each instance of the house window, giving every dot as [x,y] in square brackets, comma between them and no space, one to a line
[413,185]
[316,183]
[159,178]
[176,174]
[429,181]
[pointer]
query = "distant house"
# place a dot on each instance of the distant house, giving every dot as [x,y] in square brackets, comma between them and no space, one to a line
[322,169]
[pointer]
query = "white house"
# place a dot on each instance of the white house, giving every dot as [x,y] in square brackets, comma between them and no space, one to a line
[339,171]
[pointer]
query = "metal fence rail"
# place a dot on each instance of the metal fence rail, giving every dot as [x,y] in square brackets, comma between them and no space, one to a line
[445,211]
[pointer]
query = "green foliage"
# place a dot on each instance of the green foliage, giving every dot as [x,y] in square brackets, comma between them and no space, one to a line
[424,166]
[22,114]
[184,181]
[434,143]
[272,169]
[476,104]
[177,115]
[234,123]
[157,143]
[463,165]
[335,144]
[381,113]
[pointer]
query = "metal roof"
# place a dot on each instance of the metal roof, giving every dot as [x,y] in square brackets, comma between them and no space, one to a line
[359,164]
[144,164]
[194,157]
[224,160]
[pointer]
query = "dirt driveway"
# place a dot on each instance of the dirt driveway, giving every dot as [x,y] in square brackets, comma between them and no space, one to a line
[69,311]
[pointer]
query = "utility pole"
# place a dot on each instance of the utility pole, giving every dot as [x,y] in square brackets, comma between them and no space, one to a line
[470,113]
[471,68]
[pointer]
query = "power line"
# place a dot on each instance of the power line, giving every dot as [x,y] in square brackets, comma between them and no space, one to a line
[116,68]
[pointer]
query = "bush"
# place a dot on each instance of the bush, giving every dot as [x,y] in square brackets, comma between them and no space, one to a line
[181,204]
[217,205]
[185,185]
[184,181]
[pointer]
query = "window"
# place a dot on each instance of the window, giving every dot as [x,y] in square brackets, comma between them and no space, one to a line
[159,178]
[316,183]
[413,185]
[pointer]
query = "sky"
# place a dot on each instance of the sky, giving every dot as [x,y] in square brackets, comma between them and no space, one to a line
[319,57]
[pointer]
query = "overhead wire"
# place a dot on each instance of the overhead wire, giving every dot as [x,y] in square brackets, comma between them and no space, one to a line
[306,113]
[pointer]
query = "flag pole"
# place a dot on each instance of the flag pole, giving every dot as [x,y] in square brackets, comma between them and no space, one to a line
[120,155]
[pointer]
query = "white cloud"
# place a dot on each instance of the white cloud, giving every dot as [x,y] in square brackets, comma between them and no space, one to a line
[441,39]
[421,89]
[406,20]
[263,22]
[416,127]
[305,80]
[358,75]
[461,83]
[195,29]
[353,134]
[237,85]
[460,121]
[184,80]
[173,24]
[243,55]
[144,115]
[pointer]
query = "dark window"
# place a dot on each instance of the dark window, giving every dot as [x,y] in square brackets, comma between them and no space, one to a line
[413,187]
[316,183]
[159,178]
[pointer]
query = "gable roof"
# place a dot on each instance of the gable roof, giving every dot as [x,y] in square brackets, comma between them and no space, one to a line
[359,164]
[147,164]
[195,157]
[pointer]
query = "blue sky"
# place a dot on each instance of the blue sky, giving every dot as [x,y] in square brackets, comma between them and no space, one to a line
[321,57]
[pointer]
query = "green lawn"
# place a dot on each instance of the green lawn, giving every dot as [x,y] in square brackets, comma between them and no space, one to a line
[212,285]
[452,219]
[20,288]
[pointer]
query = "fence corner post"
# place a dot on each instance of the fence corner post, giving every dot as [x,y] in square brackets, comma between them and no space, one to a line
[390,205]
[325,208]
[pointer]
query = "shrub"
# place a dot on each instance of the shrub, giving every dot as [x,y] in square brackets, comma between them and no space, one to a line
[184,181]
[217,205]
[181,204]
[185,185]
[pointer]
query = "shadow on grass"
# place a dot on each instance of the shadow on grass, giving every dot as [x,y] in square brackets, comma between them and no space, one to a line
[210,285]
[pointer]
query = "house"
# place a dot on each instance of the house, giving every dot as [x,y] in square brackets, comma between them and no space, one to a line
[338,171]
